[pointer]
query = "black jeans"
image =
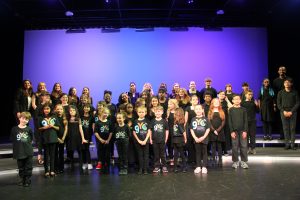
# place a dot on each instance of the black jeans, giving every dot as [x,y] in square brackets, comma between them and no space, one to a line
[25,167]
[122,148]
[251,134]
[143,154]
[289,127]
[49,156]
[159,154]
[178,149]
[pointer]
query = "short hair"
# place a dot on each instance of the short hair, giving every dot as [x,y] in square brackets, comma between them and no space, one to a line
[289,80]
[26,115]
[142,108]
[245,84]
[234,95]
[207,79]
[160,108]
[107,92]
[162,90]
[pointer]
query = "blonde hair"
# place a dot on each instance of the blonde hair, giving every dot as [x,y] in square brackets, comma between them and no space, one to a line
[26,115]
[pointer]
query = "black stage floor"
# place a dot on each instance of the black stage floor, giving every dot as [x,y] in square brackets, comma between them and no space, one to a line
[273,174]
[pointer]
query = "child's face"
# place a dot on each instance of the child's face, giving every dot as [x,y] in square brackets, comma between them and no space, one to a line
[141,113]
[194,100]
[207,98]
[86,109]
[47,110]
[59,110]
[64,99]
[236,100]
[216,103]
[72,112]
[104,115]
[171,105]
[221,95]
[23,121]
[158,113]
[249,95]
[107,97]
[120,119]
[154,102]
[199,111]
[129,108]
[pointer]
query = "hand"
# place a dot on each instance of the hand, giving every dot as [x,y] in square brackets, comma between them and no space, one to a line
[185,140]
[60,141]
[233,135]
[216,132]
[151,141]
[84,141]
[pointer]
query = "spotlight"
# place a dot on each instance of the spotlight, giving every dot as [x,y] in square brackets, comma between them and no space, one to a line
[190,1]
[220,12]
[69,13]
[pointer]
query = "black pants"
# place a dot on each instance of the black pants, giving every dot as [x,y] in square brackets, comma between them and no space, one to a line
[239,143]
[267,128]
[25,167]
[214,146]
[159,154]
[289,127]
[170,147]
[132,152]
[227,145]
[178,151]
[143,155]
[86,154]
[190,147]
[201,154]
[49,156]
[103,151]
[79,152]
[251,134]
[59,157]
[122,148]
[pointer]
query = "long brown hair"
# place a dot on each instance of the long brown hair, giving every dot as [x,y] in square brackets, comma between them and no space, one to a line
[179,116]
[211,109]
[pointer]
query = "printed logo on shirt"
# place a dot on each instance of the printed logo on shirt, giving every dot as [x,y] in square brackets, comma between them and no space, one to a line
[158,127]
[85,122]
[141,127]
[104,128]
[199,124]
[22,136]
[120,134]
[47,122]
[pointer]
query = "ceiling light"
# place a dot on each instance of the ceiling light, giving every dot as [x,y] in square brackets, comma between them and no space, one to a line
[69,13]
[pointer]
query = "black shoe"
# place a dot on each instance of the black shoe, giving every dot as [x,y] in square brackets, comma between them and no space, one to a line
[20,182]
[140,172]
[176,170]
[287,146]
[293,147]
[27,182]
[184,169]
[270,137]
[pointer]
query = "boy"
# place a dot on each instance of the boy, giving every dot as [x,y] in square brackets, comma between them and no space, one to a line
[21,136]
[238,126]
[141,133]
[159,136]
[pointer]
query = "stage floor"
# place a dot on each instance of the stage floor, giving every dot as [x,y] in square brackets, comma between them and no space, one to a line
[273,174]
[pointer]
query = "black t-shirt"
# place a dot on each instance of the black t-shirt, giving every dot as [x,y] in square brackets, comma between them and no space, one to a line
[121,133]
[178,130]
[159,130]
[199,126]
[22,142]
[49,135]
[87,127]
[141,128]
[103,129]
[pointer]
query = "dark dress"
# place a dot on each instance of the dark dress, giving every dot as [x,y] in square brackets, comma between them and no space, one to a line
[74,141]
[217,124]
[266,105]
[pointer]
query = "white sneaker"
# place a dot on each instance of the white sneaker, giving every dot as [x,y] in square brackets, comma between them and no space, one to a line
[84,166]
[90,166]
[244,165]
[197,170]
[204,170]
[235,165]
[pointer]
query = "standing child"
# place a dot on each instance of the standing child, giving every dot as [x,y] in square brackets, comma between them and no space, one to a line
[122,133]
[87,120]
[103,132]
[200,128]
[179,139]
[49,126]
[238,125]
[141,133]
[251,106]
[172,105]
[159,137]
[21,136]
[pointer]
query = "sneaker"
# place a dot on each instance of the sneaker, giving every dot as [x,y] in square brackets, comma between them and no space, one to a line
[20,181]
[204,170]
[121,172]
[265,137]
[140,172]
[99,166]
[125,172]
[270,137]
[197,170]
[164,170]
[235,165]
[84,166]
[156,170]
[90,166]
[244,165]
[184,169]
[253,151]
[27,183]
[172,162]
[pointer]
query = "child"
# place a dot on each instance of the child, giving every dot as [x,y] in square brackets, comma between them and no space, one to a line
[122,133]
[87,121]
[179,139]
[103,132]
[60,147]
[49,126]
[200,128]
[238,125]
[288,103]
[251,106]
[172,105]
[159,137]
[21,137]
[141,133]
[216,117]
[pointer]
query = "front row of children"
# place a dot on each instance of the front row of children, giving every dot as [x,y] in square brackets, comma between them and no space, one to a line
[144,132]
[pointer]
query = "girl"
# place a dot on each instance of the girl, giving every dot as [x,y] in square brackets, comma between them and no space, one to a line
[141,133]
[133,94]
[61,134]
[122,133]
[87,121]
[216,117]
[267,105]
[73,98]
[153,105]
[86,93]
[75,134]
[183,98]
[199,128]
[179,138]
[103,132]
[175,91]
[172,106]
[48,125]
[56,94]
